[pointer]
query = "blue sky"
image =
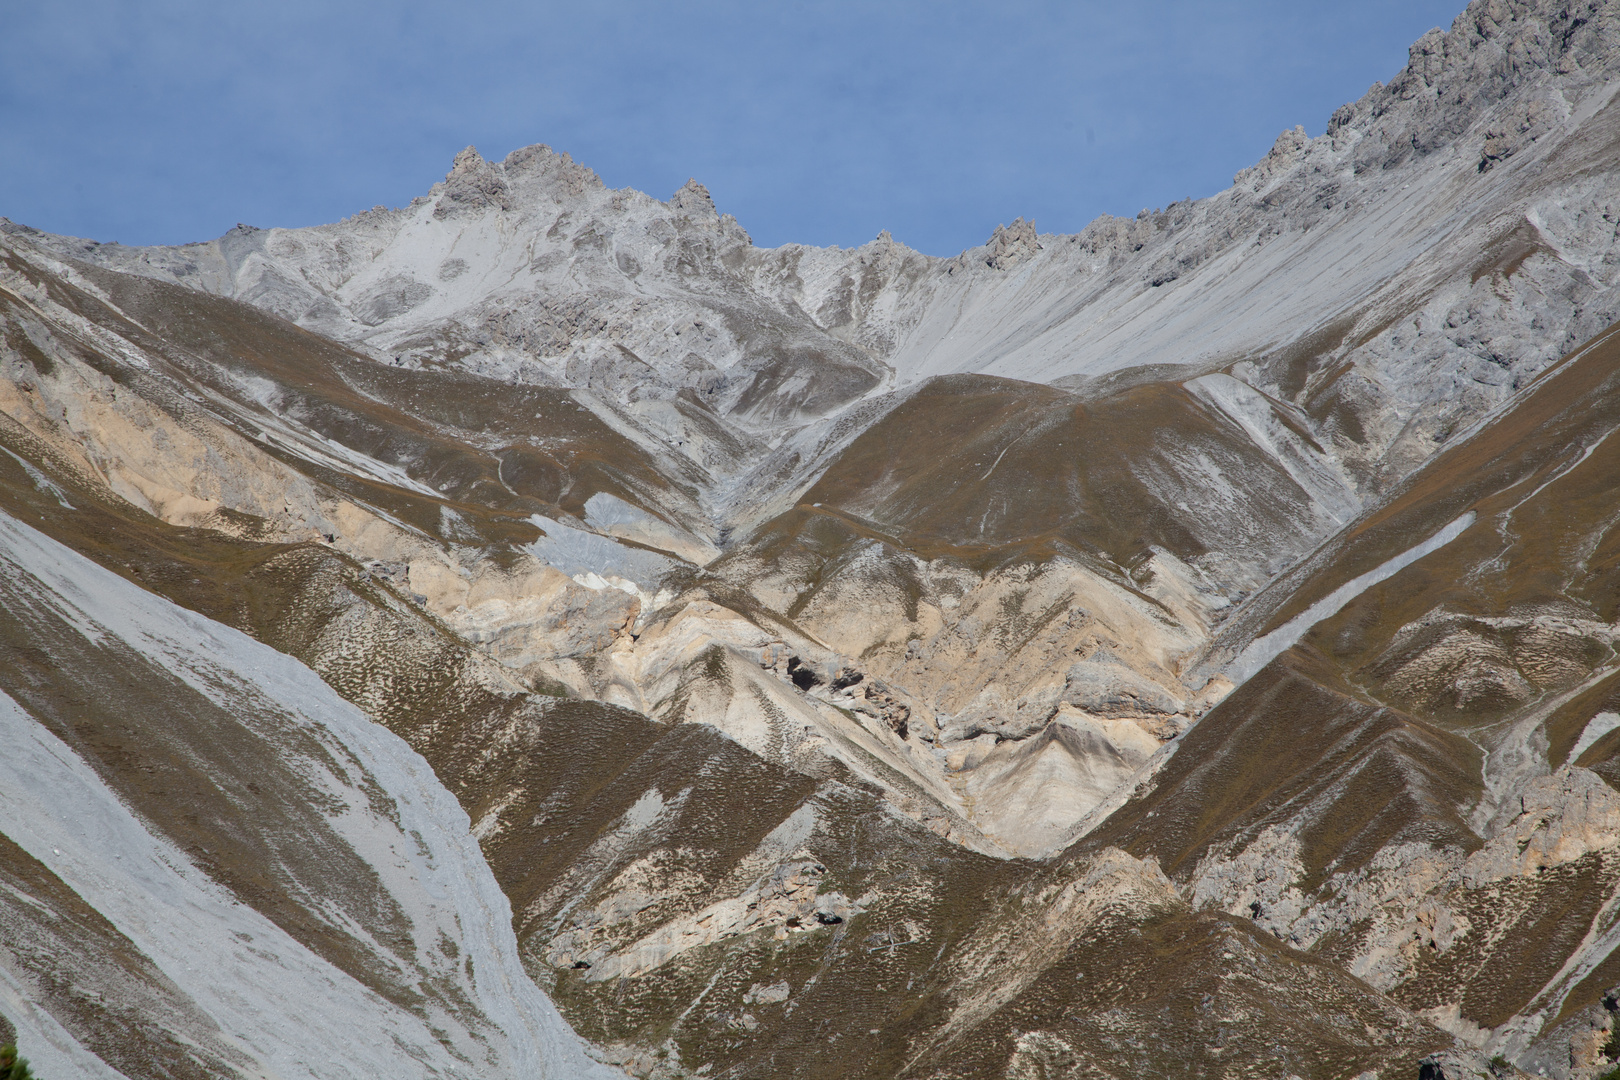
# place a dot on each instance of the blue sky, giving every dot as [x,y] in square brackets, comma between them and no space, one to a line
[818,121]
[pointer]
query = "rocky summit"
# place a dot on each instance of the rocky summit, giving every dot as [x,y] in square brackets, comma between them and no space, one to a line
[534,632]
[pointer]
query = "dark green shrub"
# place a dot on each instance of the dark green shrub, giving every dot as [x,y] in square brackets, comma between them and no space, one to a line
[13,1067]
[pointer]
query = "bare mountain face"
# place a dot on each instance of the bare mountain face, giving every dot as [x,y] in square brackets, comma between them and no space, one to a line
[1188,645]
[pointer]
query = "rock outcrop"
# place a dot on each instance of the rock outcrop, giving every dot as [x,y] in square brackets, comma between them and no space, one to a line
[849,662]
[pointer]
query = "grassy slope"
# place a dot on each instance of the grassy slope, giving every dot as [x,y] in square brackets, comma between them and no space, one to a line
[558,775]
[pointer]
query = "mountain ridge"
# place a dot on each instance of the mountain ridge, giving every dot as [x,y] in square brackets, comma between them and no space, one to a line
[1181,631]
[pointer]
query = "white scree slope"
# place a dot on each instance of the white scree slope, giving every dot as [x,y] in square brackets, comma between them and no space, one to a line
[291,1013]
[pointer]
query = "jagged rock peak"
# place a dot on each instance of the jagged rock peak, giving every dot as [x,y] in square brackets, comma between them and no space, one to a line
[528,175]
[1493,49]
[558,170]
[1288,146]
[1012,244]
[694,198]
[469,160]
[473,184]
[1279,159]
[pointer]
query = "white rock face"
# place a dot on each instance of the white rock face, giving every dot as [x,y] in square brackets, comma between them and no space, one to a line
[1412,903]
[1554,820]
[1030,793]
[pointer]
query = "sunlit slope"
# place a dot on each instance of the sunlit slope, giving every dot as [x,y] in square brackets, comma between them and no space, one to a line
[1027,568]
[454,439]
[971,463]
[544,534]
[223,868]
[776,617]
[1349,306]
[514,515]
[209,413]
[1446,237]
[1401,790]
[683,900]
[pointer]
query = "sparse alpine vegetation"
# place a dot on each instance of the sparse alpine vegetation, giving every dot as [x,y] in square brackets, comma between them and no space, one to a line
[535,632]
